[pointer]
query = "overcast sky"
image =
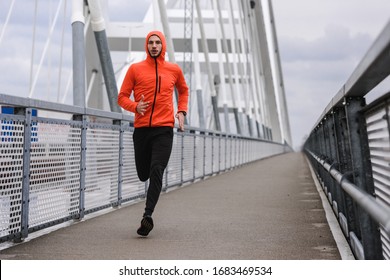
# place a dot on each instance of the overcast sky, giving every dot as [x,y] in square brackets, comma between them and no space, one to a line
[321,42]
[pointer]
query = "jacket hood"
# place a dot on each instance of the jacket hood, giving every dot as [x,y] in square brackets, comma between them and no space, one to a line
[161,57]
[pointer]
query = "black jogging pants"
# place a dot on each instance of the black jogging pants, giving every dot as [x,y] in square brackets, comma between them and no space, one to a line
[152,148]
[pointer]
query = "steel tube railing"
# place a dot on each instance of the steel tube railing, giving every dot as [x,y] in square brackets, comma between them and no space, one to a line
[379,212]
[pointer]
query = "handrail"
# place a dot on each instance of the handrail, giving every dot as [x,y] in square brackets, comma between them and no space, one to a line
[9,100]
[15,101]
[378,212]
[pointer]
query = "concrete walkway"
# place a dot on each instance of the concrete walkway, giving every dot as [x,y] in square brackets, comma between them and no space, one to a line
[269,209]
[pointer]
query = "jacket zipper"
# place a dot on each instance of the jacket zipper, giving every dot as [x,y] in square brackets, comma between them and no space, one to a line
[155,93]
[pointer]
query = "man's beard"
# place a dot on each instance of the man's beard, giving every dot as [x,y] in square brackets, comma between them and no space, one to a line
[156,54]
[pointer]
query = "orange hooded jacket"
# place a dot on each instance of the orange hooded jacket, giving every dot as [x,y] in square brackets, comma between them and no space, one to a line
[155,79]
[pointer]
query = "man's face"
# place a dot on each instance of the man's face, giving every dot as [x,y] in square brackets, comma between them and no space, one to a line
[154,45]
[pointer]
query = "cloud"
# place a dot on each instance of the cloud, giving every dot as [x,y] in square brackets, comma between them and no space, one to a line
[10,81]
[321,43]
[16,64]
[125,10]
[315,69]
[336,44]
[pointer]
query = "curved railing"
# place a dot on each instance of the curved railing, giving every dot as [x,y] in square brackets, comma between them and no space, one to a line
[349,148]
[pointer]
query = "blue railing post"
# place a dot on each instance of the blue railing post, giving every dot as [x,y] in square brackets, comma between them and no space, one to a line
[204,153]
[212,152]
[219,151]
[83,162]
[26,174]
[194,158]
[226,151]
[182,158]
[120,167]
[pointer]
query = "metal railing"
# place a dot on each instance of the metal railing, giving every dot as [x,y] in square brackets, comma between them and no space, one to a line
[61,162]
[349,147]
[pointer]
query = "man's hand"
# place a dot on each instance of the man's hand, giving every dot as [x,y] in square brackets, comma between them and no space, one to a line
[180,117]
[142,106]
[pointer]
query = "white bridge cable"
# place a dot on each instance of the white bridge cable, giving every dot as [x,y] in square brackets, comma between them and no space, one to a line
[33,45]
[90,86]
[49,58]
[250,68]
[246,81]
[210,79]
[7,20]
[226,52]
[221,87]
[286,131]
[61,53]
[258,70]
[237,65]
[45,50]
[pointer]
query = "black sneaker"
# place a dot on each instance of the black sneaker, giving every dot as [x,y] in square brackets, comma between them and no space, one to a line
[146,226]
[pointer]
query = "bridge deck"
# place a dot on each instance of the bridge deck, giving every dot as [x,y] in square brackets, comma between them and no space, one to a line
[269,209]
